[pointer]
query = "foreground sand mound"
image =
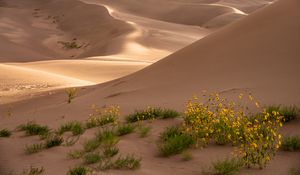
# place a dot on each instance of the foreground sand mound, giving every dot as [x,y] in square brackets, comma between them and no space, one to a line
[259,54]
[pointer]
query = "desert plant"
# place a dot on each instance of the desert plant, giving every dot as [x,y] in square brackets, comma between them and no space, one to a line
[5,133]
[107,138]
[34,148]
[53,140]
[127,162]
[78,170]
[92,158]
[288,112]
[143,131]
[101,117]
[69,45]
[227,166]
[110,152]
[71,93]
[91,145]
[151,113]
[170,132]
[74,126]
[31,128]
[125,129]
[291,143]
[33,171]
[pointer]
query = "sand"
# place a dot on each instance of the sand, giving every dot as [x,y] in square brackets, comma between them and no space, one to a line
[141,56]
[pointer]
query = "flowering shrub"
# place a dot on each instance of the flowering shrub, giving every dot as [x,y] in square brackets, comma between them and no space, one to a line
[222,121]
[103,116]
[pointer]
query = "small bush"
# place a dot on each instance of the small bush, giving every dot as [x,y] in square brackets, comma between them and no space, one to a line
[33,171]
[107,138]
[5,133]
[71,93]
[291,144]
[69,45]
[32,128]
[101,117]
[79,170]
[174,142]
[125,129]
[91,145]
[144,131]
[186,156]
[128,162]
[110,152]
[92,158]
[53,141]
[31,149]
[75,127]
[288,112]
[227,166]
[151,113]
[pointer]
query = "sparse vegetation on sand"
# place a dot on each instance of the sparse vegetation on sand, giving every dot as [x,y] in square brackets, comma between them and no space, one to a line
[127,162]
[92,158]
[104,116]
[71,93]
[288,112]
[70,44]
[5,133]
[186,156]
[75,127]
[125,129]
[151,113]
[291,143]
[226,166]
[32,128]
[143,130]
[34,148]
[78,170]
[33,171]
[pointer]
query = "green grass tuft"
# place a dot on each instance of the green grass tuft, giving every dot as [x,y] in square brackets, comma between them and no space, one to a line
[288,112]
[170,132]
[74,126]
[31,128]
[128,162]
[110,152]
[291,144]
[5,133]
[91,145]
[227,166]
[53,141]
[144,131]
[79,170]
[33,171]
[151,113]
[92,158]
[76,154]
[125,129]
[34,148]
[107,138]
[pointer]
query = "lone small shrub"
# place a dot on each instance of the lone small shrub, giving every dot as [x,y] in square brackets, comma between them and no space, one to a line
[5,133]
[76,154]
[74,126]
[92,158]
[79,170]
[128,162]
[291,144]
[71,93]
[107,138]
[110,152]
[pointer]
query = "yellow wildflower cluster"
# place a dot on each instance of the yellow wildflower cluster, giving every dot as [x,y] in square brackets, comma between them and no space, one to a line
[102,116]
[224,121]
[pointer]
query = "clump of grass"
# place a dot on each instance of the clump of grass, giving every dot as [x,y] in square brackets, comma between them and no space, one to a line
[127,162]
[174,141]
[227,166]
[105,165]
[110,152]
[78,170]
[144,131]
[91,145]
[107,137]
[186,156]
[151,113]
[69,45]
[76,154]
[5,133]
[291,144]
[53,141]
[33,171]
[125,129]
[288,112]
[31,128]
[74,126]
[92,158]
[71,93]
[34,148]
